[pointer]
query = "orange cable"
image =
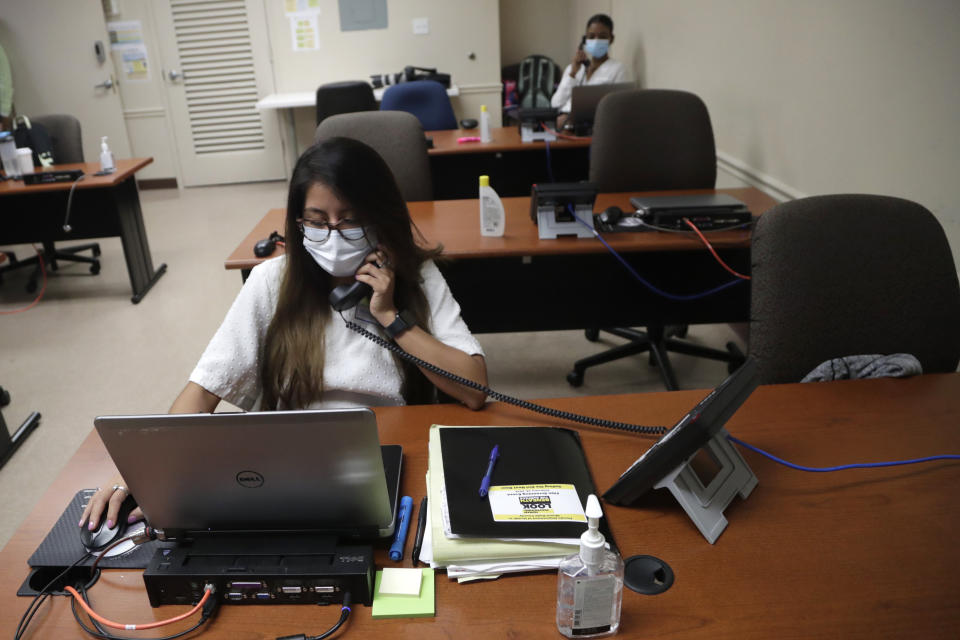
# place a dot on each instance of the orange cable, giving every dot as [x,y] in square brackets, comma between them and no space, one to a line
[207,590]
[706,242]
[36,300]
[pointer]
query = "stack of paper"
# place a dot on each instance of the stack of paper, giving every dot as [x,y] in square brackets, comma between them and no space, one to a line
[533,515]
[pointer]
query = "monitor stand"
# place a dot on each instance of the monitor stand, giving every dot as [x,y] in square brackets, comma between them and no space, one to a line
[705,504]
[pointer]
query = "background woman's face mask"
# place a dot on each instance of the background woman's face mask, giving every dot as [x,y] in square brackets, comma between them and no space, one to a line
[596,48]
[339,256]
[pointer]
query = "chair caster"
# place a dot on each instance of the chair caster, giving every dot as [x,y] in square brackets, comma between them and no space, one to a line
[95,268]
[575,378]
[96,252]
[31,286]
[591,334]
[4,397]
[740,358]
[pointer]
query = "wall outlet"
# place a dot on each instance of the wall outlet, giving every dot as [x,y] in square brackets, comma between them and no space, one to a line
[421,26]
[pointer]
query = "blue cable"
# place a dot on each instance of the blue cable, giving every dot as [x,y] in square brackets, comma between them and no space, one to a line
[549,162]
[633,272]
[862,465]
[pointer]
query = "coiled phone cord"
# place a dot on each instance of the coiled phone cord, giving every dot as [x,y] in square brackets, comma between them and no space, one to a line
[496,395]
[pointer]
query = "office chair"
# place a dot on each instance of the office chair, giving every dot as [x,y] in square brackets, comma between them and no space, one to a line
[646,140]
[842,275]
[65,140]
[397,137]
[426,99]
[344,97]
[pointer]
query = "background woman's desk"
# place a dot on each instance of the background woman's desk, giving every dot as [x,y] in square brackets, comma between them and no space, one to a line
[855,554]
[519,282]
[511,164]
[102,206]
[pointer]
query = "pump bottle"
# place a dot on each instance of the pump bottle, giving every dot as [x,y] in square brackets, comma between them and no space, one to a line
[590,584]
[491,210]
[106,157]
[484,124]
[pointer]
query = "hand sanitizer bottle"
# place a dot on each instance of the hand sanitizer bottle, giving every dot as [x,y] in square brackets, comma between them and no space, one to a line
[491,210]
[106,157]
[590,584]
[484,124]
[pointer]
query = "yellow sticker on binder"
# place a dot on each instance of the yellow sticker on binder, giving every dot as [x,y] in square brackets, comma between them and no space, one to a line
[536,503]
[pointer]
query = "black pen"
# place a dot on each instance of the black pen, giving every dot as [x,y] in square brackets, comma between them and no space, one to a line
[421,525]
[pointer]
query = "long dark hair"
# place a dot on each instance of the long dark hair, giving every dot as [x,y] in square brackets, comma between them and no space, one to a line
[294,351]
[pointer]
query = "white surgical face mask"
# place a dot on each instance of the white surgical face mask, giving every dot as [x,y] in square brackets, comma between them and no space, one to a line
[596,48]
[338,256]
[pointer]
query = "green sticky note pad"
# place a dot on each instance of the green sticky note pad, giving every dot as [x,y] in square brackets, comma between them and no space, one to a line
[405,606]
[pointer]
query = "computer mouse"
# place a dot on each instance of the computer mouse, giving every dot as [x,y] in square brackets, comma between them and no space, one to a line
[611,215]
[468,123]
[264,247]
[103,535]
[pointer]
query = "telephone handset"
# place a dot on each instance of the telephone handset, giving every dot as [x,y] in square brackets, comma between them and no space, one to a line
[583,41]
[347,296]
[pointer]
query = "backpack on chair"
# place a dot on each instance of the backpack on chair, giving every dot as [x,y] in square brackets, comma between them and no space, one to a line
[535,82]
[35,137]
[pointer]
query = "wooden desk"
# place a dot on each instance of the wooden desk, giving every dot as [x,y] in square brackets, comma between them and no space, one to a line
[103,206]
[854,554]
[519,282]
[511,164]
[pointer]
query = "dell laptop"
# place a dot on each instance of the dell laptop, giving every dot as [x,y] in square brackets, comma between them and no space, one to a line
[282,471]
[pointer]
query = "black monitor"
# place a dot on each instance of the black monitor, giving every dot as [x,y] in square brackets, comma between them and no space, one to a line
[692,432]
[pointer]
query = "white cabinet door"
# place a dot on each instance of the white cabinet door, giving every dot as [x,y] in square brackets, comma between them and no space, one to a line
[216,65]
[50,45]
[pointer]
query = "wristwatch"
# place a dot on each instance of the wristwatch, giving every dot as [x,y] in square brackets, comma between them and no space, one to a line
[401,323]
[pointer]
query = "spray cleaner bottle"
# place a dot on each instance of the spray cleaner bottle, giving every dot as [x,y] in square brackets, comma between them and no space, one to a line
[492,216]
[590,584]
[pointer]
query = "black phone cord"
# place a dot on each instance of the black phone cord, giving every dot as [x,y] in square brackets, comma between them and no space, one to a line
[496,395]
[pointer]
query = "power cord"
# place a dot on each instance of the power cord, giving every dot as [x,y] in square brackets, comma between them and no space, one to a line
[344,614]
[42,595]
[66,220]
[496,395]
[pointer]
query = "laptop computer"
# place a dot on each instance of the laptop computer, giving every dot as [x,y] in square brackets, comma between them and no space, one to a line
[584,101]
[318,471]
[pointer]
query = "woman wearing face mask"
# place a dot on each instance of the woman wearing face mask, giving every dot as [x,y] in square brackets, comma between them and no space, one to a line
[591,65]
[282,346]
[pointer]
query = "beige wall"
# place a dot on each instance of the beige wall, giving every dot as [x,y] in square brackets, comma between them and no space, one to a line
[542,27]
[816,97]
[458,28]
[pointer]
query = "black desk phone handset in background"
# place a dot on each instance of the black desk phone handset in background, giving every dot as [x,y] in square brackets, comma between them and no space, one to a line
[347,296]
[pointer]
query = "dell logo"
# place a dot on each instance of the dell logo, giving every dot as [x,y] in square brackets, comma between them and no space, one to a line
[249,479]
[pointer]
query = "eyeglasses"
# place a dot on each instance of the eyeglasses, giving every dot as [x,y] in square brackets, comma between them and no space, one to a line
[319,230]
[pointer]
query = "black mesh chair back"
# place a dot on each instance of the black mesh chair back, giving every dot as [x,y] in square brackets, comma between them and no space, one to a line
[399,139]
[344,97]
[843,275]
[652,139]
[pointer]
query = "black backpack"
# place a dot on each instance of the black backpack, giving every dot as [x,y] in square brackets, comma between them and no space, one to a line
[35,137]
[536,80]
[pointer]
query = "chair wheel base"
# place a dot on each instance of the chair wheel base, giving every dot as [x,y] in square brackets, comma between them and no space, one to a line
[575,378]
[592,334]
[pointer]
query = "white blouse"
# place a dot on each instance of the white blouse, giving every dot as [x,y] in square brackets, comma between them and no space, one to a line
[356,372]
[610,72]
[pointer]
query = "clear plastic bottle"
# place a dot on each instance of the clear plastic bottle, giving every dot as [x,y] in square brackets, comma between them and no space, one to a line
[484,124]
[106,157]
[492,216]
[8,155]
[590,585]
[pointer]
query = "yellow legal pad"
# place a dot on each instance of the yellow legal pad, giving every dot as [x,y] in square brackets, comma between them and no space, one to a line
[405,606]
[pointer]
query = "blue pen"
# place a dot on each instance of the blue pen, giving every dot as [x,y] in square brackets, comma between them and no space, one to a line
[485,483]
[400,539]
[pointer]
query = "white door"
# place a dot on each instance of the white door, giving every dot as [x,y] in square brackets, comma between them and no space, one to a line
[216,65]
[55,67]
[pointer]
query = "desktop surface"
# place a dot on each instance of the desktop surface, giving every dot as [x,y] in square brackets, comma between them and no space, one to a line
[857,554]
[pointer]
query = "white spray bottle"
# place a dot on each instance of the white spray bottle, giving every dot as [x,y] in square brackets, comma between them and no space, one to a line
[106,157]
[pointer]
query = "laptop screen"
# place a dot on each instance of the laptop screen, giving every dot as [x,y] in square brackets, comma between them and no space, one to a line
[584,100]
[319,471]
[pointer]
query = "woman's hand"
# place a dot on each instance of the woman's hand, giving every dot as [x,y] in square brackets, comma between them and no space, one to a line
[377,271]
[108,499]
[579,57]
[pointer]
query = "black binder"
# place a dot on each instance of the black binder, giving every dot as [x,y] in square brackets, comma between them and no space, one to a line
[528,455]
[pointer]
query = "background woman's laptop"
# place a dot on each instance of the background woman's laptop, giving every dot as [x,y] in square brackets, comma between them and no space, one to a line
[321,471]
[584,100]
